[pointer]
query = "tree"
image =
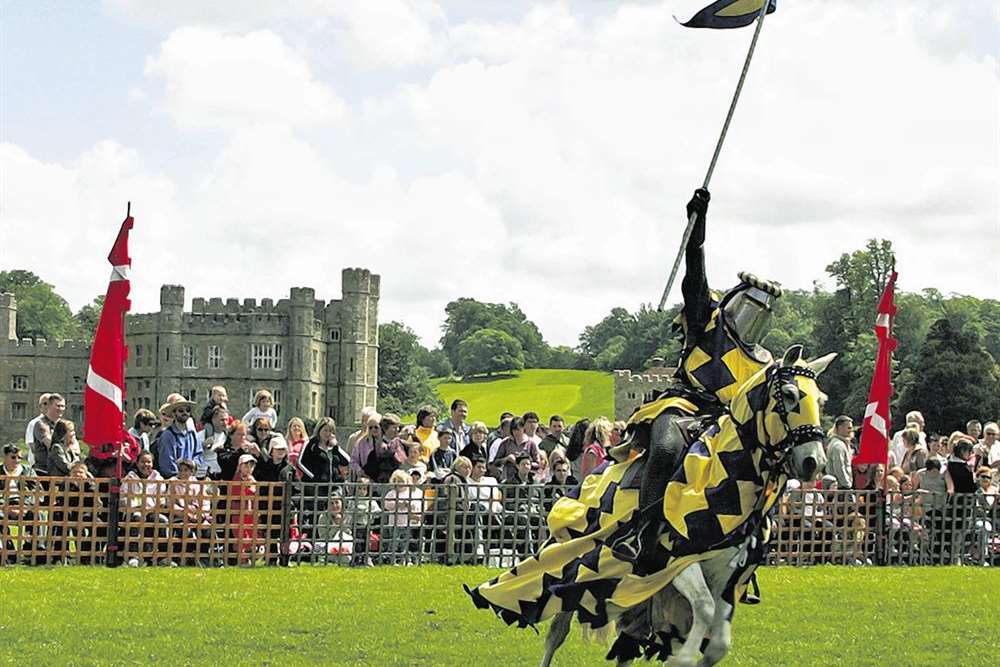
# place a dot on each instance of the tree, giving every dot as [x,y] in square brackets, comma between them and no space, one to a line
[436,362]
[489,351]
[610,357]
[88,317]
[631,340]
[956,380]
[467,316]
[41,313]
[403,385]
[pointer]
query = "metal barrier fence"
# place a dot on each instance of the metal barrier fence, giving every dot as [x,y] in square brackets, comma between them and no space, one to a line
[207,523]
[900,528]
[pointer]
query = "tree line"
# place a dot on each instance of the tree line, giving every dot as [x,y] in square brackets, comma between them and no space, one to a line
[945,363]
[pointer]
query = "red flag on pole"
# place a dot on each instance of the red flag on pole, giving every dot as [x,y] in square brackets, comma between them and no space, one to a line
[104,395]
[874,446]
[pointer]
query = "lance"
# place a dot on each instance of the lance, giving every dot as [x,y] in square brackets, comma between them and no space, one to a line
[715,156]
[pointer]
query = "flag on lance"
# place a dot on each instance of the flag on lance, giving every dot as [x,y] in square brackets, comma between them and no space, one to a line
[104,395]
[874,446]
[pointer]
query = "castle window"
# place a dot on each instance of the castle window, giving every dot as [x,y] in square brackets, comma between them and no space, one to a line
[215,356]
[138,356]
[335,335]
[190,394]
[267,356]
[351,365]
[77,383]
[314,408]
[632,395]
[190,356]
[315,359]
[167,351]
[18,410]
[19,382]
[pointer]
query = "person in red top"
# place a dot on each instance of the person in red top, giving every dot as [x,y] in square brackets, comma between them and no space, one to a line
[243,508]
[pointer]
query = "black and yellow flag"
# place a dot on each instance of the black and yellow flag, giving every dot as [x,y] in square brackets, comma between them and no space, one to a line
[729,14]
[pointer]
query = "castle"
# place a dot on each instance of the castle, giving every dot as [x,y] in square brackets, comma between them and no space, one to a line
[630,388]
[317,358]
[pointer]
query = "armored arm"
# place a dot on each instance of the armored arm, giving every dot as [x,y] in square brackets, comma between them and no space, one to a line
[694,287]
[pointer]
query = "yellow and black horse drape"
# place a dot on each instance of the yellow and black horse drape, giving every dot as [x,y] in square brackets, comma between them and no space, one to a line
[578,569]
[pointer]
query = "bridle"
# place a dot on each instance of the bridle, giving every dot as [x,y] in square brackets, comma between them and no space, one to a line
[778,377]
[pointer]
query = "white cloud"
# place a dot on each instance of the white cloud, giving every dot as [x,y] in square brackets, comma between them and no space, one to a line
[221,80]
[543,158]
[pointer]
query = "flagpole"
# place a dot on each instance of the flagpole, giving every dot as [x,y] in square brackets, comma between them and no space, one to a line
[114,555]
[718,149]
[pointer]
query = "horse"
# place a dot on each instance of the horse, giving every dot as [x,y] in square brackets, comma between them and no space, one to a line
[776,412]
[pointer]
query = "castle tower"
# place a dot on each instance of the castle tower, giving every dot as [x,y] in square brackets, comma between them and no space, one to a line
[8,317]
[168,341]
[359,343]
[301,319]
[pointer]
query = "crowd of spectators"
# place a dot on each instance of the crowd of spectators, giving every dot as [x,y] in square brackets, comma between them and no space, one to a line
[381,496]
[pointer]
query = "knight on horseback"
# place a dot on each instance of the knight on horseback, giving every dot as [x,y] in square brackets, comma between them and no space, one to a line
[721,351]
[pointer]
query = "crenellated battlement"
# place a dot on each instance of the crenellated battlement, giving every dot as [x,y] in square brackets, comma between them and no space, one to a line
[43,347]
[630,388]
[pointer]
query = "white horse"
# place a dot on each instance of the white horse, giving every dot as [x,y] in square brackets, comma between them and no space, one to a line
[698,604]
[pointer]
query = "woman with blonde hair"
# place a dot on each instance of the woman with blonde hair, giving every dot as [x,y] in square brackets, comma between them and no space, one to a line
[596,440]
[297,437]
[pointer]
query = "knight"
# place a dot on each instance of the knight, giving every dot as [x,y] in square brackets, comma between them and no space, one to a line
[721,350]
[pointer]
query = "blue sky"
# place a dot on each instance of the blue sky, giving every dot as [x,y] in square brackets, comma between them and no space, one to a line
[535,152]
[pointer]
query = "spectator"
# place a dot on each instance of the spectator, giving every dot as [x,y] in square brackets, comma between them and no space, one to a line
[477,445]
[986,499]
[41,438]
[275,467]
[838,453]
[483,488]
[934,449]
[78,503]
[366,445]
[497,434]
[974,429]
[388,451]
[544,473]
[531,427]
[364,514]
[322,460]
[914,419]
[502,432]
[260,431]
[263,406]
[617,433]
[17,501]
[556,487]
[991,447]
[457,424]
[402,511]
[352,440]
[218,397]
[959,474]
[444,456]
[212,440]
[64,449]
[190,510]
[237,444]
[143,501]
[296,436]
[556,437]
[177,441]
[143,424]
[598,439]
[413,461]
[915,456]
[333,533]
[29,431]
[426,431]
[576,444]
[244,510]
[505,461]
[522,471]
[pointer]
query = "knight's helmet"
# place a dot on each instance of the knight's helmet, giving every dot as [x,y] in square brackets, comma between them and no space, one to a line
[748,308]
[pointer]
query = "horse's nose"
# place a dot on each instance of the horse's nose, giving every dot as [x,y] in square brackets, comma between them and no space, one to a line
[808,467]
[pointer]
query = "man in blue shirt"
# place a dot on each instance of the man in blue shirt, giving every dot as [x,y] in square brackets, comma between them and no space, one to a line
[458,425]
[176,441]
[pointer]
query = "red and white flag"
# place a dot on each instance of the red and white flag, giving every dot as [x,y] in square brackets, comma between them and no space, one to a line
[104,395]
[874,446]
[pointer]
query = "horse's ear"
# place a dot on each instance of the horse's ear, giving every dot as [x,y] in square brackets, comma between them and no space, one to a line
[792,354]
[819,364]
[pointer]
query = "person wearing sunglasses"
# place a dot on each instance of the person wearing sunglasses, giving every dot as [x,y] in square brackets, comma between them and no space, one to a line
[178,441]
[15,500]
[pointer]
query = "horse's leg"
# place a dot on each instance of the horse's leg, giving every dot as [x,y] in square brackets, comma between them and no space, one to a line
[720,634]
[554,638]
[691,584]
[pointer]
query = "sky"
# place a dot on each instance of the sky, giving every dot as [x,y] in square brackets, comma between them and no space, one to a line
[534,152]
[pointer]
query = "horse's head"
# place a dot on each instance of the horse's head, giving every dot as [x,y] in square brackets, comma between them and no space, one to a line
[791,426]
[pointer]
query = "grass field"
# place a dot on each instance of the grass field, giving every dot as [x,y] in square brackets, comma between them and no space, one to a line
[572,394]
[420,616]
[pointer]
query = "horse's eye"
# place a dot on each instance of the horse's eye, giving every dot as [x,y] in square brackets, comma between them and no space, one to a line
[790,393]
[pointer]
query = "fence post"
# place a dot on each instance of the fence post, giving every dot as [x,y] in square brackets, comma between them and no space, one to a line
[286,522]
[449,549]
[881,528]
[113,557]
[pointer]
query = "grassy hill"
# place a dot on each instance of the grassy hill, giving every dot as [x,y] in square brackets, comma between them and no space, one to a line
[572,394]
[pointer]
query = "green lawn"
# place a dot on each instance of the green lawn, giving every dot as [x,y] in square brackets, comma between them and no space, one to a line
[572,394]
[420,616]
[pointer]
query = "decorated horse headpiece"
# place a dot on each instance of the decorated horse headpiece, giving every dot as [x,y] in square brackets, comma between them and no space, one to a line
[783,403]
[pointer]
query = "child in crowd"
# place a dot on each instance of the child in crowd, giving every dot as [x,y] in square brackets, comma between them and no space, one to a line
[297,437]
[263,406]
[217,397]
[333,533]
[403,511]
